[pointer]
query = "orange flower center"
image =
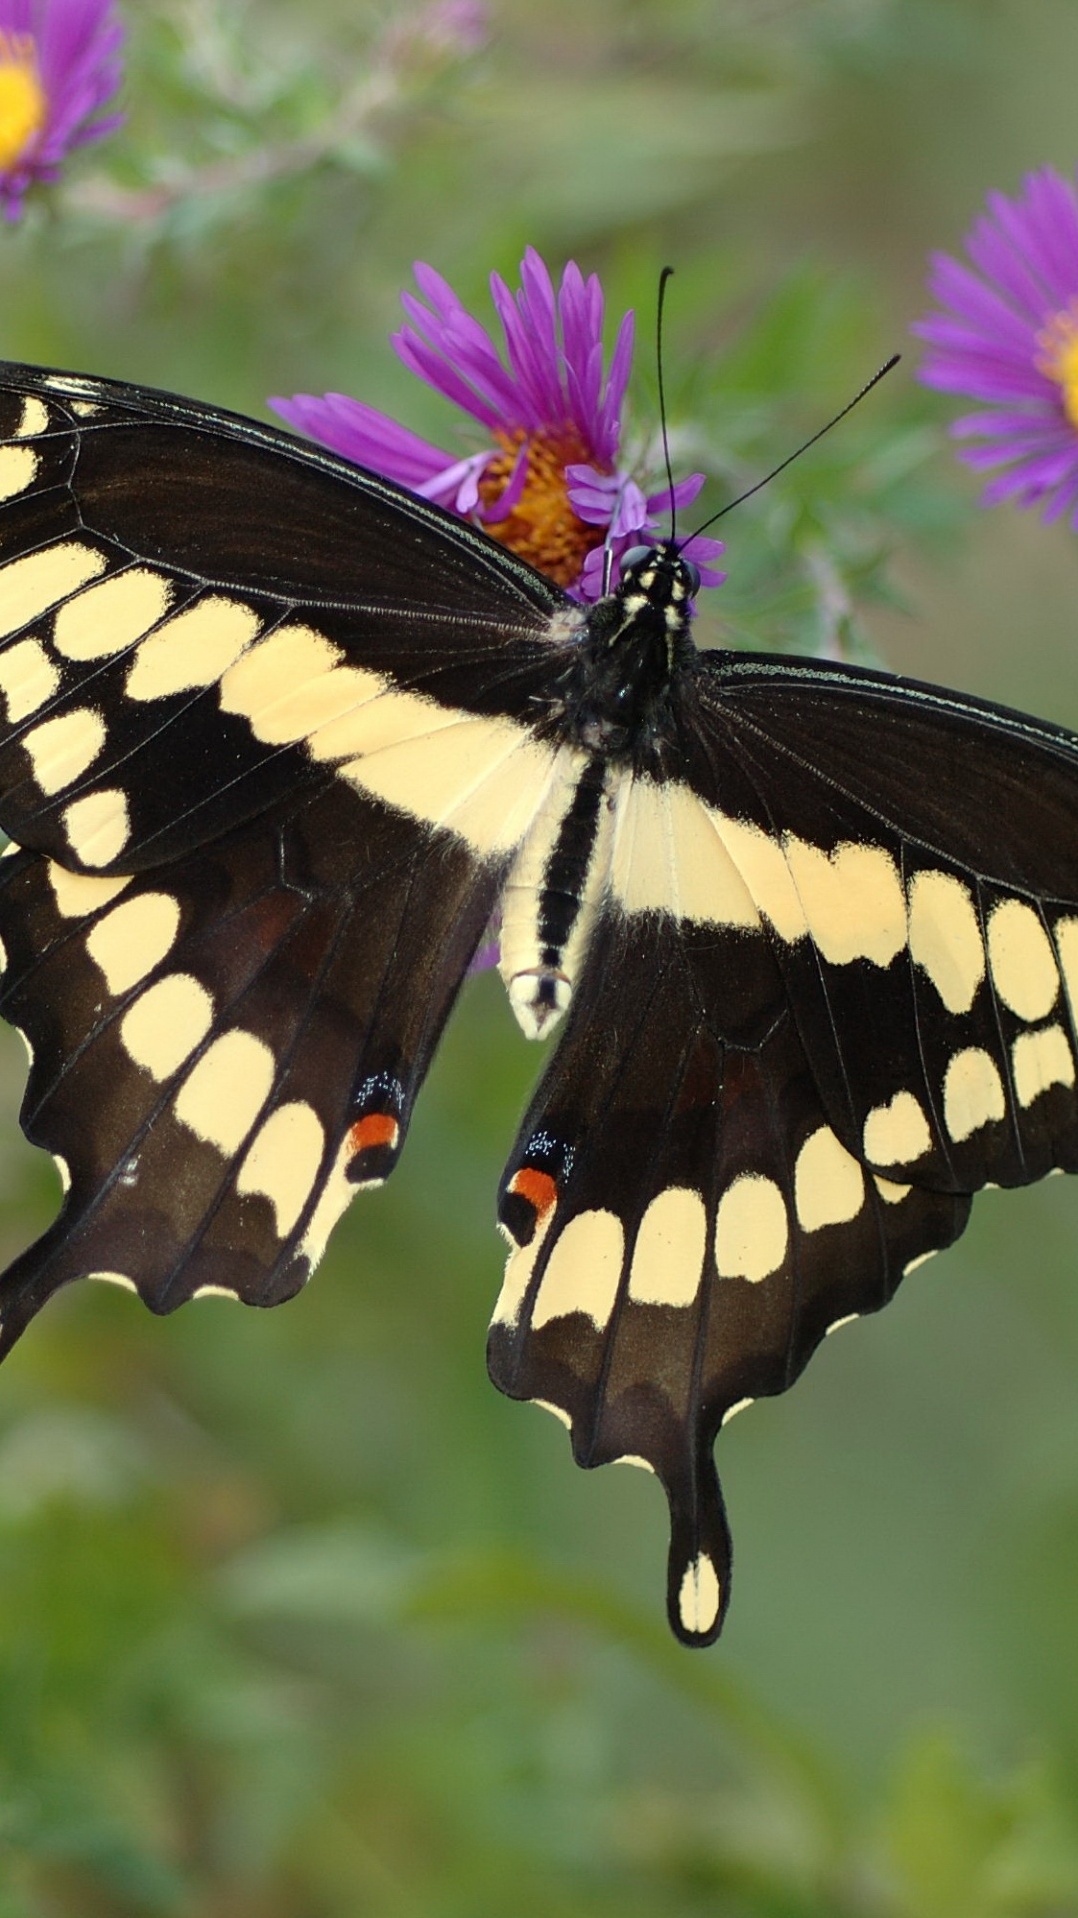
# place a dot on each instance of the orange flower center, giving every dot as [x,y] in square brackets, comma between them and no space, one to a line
[1058,356]
[22,97]
[542,527]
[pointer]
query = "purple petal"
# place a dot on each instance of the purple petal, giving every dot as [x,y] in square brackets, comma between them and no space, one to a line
[532,349]
[488,955]
[371,439]
[702,550]
[363,435]
[609,424]
[553,343]
[987,344]
[513,490]
[980,305]
[428,366]
[78,44]
[1045,228]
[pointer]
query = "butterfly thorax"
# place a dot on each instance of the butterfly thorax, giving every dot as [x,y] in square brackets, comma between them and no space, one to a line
[616,693]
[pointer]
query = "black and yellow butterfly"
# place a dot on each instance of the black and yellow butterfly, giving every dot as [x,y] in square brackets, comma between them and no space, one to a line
[280,739]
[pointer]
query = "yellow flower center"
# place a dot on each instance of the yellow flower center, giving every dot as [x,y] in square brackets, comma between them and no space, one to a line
[1058,356]
[22,97]
[542,527]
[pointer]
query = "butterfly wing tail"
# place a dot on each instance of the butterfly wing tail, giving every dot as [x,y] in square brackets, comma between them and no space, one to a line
[700,1561]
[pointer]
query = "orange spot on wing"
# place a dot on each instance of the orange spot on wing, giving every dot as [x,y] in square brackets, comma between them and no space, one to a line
[538,1188]
[378,1128]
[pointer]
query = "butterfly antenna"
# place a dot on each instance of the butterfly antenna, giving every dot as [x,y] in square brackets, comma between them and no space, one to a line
[803,448]
[666,274]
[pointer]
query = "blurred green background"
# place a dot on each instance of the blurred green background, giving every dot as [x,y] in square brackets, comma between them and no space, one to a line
[298,1618]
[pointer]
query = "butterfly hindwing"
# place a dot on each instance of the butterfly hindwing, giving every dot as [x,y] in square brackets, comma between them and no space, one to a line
[248,1029]
[685,1225]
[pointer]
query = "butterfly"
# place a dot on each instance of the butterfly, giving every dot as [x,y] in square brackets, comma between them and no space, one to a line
[280,740]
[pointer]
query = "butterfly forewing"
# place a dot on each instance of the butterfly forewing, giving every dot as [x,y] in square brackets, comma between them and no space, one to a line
[200,617]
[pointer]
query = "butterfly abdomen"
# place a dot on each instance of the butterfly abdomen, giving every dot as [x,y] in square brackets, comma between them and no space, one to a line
[554,889]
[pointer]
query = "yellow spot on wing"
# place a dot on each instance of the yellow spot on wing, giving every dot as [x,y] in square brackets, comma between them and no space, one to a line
[34,418]
[62,748]
[77,894]
[668,1257]
[669,856]
[225,1091]
[28,678]
[1041,1059]
[699,1596]
[372,716]
[97,827]
[836,1325]
[336,1195]
[29,586]
[292,682]
[972,1093]
[519,1267]
[166,1024]
[18,464]
[945,937]
[1020,955]
[556,1412]
[897,1133]
[751,1229]
[109,617]
[921,1259]
[283,1161]
[739,1405]
[133,938]
[829,1185]
[760,861]
[191,649]
[481,779]
[584,1270]
[852,899]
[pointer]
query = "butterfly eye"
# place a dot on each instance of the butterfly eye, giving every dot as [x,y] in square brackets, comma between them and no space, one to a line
[635,556]
[692,575]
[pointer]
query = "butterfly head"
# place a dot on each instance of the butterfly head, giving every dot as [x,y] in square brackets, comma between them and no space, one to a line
[659,578]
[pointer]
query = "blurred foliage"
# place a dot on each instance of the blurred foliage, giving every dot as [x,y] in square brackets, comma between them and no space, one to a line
[298,1619]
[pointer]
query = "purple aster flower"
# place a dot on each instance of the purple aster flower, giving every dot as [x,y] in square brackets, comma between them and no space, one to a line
[550,482]
[59,66]
[1009,338]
